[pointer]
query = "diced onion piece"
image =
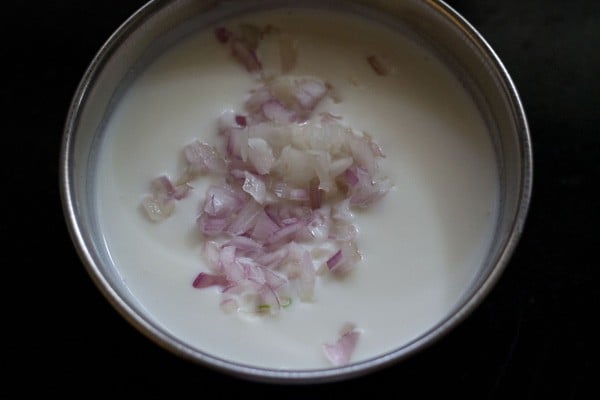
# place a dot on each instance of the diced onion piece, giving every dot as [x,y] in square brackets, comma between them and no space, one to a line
[260,155]
[295,167]
[285,233]
[264,227]
[362,152]
[284,191]
[274,111]
[367,189]
[237,143]
[255,187]
[158,209]
[345,258]
[245,218]
[340,352]
[339,166]
[202,157]
[230,119]
[257,98]
[299,94]
[161,203]
[204,280]
[307,278]
[210,225]
[163,187]
[222,201]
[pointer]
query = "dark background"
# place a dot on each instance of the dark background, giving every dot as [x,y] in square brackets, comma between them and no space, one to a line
[532,338]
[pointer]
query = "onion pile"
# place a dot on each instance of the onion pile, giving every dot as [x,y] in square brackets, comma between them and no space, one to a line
[281,211]
[285,199]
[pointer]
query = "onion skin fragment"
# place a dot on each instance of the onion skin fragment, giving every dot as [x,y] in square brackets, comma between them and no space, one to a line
[379,68]
[242,46]
[245,56]
[223,34]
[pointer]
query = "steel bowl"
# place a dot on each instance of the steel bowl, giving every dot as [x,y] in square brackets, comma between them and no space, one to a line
[160,22]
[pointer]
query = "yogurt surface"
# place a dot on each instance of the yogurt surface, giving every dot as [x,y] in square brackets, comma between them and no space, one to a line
[421,244]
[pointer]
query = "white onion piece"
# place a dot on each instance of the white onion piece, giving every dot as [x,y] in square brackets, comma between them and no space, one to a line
[295,167]
[202,157]
[366,189]
[276,135]
[255,187]
[299,94]
[274,111]
[228,120]
[222,201]
[257,98]
[339,166]
[157,209]
[163,187]
[306,277]
[237,143]
[362,152]
[160,204]
[211,251]
[284,191]
[260,155]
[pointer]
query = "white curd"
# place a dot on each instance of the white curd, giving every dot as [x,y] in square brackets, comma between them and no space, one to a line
[421,244]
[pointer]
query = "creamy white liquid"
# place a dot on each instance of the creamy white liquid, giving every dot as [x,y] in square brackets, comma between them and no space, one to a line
[421,245]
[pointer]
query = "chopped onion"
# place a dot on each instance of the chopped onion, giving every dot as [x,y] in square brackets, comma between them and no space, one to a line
[274,111]
[279,211]
[157,209]
[255,187]
[202,157]
[260,155]
[279,193]
[160,204]
[340,352]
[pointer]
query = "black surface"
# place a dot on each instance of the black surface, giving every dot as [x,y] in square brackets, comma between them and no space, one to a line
[531,338]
